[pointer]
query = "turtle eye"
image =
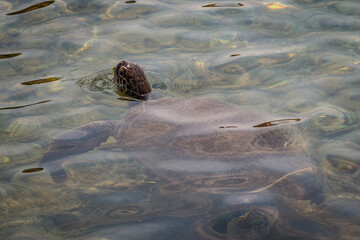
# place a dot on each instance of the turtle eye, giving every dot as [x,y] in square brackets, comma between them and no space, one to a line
[122,71]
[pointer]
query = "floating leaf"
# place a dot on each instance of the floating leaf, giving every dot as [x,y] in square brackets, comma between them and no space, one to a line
[40,81]
[224,5]
[149,182]
[16,107]
[278,122]
[31,170]
[32,8]
[10,55]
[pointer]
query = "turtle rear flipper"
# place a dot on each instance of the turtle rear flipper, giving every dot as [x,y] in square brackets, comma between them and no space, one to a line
[57,172]
[75,141]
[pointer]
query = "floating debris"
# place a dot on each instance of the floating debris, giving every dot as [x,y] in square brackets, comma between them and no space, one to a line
[228,127]
[27,105]
[149,182]
[32,170]
[278,122]
[10,55]
[32,8]
[40,81]
[224,5]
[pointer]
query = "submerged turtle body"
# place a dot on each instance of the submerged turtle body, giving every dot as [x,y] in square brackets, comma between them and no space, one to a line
[210,145]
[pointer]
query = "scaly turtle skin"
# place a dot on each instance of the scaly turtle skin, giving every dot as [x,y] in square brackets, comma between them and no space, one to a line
[209,145]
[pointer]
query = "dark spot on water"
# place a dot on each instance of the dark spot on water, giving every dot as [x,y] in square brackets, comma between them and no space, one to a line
[130,2]
[220,226]
[32,8]
[230,181]
[122,212]
[151,43]
[235,55]
[40,81]
[224,5]
[63,222]
[228,127]
[32,170]
[305,225]
[277,122]
[342,165]
[355,97]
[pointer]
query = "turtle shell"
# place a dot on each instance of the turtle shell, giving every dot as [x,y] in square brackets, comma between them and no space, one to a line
[213,146]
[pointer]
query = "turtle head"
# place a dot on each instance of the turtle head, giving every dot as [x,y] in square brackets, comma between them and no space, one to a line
[131,80]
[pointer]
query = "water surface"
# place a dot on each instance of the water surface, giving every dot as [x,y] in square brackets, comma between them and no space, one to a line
[290,65]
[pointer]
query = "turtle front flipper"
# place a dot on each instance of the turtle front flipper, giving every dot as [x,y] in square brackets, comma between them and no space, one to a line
[75,141]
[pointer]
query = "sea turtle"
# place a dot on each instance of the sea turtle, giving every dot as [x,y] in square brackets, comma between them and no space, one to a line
[214,146]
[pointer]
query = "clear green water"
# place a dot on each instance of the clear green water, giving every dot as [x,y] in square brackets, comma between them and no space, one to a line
[290,59]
